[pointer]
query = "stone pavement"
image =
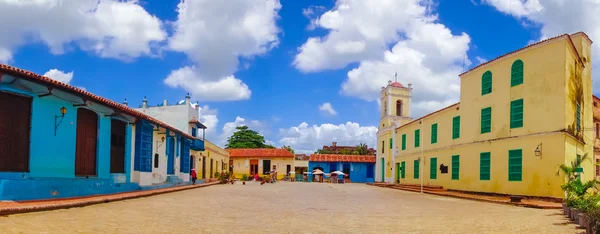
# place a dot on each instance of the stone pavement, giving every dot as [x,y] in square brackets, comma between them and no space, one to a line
[288,207]
[11,207]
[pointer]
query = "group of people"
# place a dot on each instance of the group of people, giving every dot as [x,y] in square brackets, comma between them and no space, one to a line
[272,176]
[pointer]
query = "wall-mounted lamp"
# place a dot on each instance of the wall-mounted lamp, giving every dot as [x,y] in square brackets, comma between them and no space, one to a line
[162,139]
[538,150]
[63,111]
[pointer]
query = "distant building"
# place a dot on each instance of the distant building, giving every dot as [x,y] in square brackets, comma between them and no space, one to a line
[301,163]
[358,168]
[261,161]
[596,108]
[338,149]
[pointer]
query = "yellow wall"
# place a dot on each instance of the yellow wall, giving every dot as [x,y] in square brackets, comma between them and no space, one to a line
[549,111]
[242,165]
[211,151]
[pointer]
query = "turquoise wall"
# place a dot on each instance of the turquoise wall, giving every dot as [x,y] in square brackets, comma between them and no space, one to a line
[358,172]
[54,156]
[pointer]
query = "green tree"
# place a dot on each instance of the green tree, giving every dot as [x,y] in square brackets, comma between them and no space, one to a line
[246,138]
[288,148]
[362,149]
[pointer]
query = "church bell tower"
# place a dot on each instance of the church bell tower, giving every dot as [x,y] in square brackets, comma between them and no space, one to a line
[395,112]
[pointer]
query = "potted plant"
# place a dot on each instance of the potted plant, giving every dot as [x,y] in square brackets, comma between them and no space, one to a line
[244,178]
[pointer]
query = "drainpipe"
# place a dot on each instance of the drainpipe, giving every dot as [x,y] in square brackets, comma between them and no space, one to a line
[422,159]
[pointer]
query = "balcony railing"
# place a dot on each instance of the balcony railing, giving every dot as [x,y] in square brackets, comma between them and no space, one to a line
[197,145]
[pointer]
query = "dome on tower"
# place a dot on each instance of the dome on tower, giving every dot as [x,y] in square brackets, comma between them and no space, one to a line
[397,84]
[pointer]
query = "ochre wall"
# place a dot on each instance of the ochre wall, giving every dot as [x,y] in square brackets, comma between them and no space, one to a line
[242,165]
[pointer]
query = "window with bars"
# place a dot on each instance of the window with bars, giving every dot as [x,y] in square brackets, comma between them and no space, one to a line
[417,138]
[456,127]
[484,165]
[455,166]
[516,113]
[486,120]
[416,169]
[433,168]
[434,131]
[403,141]
[486,83]
[516,73]
[515,165]
[578,117]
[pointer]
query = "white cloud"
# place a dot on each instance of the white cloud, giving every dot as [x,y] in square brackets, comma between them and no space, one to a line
[215,35]
[480,60]
[327,109]
[558,17]
[424,52]
[307,139]
[59,75]
[209,117]
[109,28]
[310,13]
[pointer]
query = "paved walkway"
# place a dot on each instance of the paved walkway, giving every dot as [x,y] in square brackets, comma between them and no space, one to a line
[287,207]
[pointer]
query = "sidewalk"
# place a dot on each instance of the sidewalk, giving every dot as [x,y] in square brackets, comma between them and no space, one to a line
[10,207]
[526,202]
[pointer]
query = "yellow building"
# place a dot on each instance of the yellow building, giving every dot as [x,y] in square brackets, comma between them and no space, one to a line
[212,159]
[520,116]
[261,161]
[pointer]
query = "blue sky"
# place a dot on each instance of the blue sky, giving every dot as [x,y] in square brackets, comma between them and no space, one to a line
[303,73]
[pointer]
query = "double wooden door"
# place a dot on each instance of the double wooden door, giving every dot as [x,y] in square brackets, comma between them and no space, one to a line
[15,128]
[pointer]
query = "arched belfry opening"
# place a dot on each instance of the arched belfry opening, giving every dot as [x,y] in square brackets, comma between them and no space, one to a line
[399,108]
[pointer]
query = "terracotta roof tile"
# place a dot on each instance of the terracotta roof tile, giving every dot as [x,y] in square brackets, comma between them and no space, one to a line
[341,158]
[567,36]
[20,73]
[263,152]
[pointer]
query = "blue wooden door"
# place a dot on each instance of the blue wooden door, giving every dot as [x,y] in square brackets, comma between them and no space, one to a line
[170,156]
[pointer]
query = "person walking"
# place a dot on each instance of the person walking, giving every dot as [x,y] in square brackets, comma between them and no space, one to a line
[194,176]
[256,177]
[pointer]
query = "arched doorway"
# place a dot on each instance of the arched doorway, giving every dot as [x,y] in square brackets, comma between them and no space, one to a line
[86,146]
[399,108]
[382,169]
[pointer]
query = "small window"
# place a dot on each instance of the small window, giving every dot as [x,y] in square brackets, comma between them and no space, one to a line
[416,169]
[516,73]
[516,113]
[403,141]
[391,143]
[194,132]
[515,165]
[433,168]
[455,167]
[434,131]
[486,83]
[484,166]
[417,138]
[486,120]
[382,147]
[399,108]
[456,127]
[156,159]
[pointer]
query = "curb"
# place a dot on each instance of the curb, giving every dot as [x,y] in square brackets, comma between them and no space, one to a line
[98,200]
[477,199]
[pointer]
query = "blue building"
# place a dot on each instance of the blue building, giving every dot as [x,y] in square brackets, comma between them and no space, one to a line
[59,141]
[358,168]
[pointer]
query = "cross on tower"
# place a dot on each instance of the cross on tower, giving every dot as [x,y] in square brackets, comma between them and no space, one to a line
[396,77]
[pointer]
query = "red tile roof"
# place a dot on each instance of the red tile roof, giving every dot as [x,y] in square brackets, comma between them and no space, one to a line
[264,152]
[341,158]
[198,123]
[24,74]
[564,36]
[397,84]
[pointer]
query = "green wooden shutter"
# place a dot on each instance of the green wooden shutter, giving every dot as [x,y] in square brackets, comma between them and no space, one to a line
[456,127]
[515,165]
[403,169]
[434,131]
[433,168]
[455,166]
[486,120]
[403,141]
[391,142]
[516,113]
[516,73]
[416,169]
[417,137]
[486,83]
[578,117]
[484,166]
